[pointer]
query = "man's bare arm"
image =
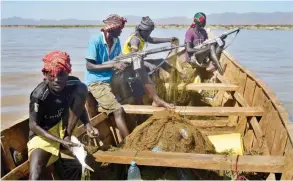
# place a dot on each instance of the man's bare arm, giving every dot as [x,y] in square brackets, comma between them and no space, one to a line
[90,65]
[154,40]
[196,52]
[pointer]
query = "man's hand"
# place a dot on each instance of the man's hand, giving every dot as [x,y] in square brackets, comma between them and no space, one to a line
[119,66]
[184,76]
[150,66]
[92,131]
[67,143]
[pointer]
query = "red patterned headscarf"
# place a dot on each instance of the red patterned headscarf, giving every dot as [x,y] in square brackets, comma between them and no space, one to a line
[56,62]
[198,19]
[113,22]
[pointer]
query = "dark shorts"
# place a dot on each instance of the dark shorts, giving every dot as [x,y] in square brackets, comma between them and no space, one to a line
[137,88]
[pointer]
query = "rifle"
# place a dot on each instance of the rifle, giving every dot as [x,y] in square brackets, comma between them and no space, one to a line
[135,58]
[220,41]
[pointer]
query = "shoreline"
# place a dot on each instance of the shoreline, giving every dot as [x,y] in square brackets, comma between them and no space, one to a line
[219,27]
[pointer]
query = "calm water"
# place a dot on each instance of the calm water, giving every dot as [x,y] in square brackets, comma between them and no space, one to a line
[267,53]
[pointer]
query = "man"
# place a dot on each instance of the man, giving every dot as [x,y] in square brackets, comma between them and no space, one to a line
[55,106]
[102,48]
[135,43]
[195,35]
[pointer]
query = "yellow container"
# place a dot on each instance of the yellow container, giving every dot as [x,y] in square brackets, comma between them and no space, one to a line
[197,79]
[226,142]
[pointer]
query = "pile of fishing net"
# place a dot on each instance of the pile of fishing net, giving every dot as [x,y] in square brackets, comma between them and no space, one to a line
[167,83]
[168,131]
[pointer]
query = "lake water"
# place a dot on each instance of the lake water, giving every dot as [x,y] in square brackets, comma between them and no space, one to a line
[268,54]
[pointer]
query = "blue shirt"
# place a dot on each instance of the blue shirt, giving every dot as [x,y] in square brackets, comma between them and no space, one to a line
[98,50]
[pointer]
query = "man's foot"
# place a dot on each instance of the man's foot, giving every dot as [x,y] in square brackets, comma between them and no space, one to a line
[161,103]
[211,67]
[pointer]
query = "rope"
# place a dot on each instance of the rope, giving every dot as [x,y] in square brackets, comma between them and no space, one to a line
[237,175]
[231,41]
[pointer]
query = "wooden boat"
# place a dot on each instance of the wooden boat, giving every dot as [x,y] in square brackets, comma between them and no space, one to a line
[250,107]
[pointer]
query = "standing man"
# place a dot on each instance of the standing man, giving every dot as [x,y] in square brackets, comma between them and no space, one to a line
[102,48]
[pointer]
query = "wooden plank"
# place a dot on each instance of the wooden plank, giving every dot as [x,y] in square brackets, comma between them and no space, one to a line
[212,123]
[241,126]
[233,119]
[191,160]
[235,75]
[221,78]
[271,130]
[218,99]
[227,73]
[256,129]
[242,82]
[6,154]
[216,132]
[260,143]
[254,146]
[94,121]
[207,86]
[271,177]
[105,131]
[248,139]
[239,98]
[249,91]
[18,142]
[18,172]
[258,98]
[207,111]
[226,97]
[267,115]
[288,147]
[280,140]
[287,173]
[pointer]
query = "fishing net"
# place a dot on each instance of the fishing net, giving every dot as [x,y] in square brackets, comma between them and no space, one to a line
[166,84]
[168,131]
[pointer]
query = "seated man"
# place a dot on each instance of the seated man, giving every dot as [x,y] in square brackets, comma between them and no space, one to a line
[195,35]
[56,105]
[102,48]
[135,43]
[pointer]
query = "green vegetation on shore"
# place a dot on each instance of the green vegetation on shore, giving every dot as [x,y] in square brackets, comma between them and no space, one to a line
[225,27]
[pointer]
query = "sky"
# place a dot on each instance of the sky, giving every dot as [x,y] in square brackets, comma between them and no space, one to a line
[97,10]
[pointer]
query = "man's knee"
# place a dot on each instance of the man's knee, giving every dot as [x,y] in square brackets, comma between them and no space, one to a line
[35,174]
[118,112]
[38,162]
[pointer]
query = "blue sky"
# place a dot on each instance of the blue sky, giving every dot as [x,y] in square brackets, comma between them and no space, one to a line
[97,10]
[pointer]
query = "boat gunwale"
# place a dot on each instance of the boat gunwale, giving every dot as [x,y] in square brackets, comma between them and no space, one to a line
[282,112]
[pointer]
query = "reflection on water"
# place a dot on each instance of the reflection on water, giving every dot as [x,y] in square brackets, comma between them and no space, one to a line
[267,53]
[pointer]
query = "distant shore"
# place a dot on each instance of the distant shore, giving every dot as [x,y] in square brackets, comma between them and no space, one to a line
[224,27]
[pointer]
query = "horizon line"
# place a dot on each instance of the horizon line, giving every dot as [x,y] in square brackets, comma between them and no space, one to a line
[153,18]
